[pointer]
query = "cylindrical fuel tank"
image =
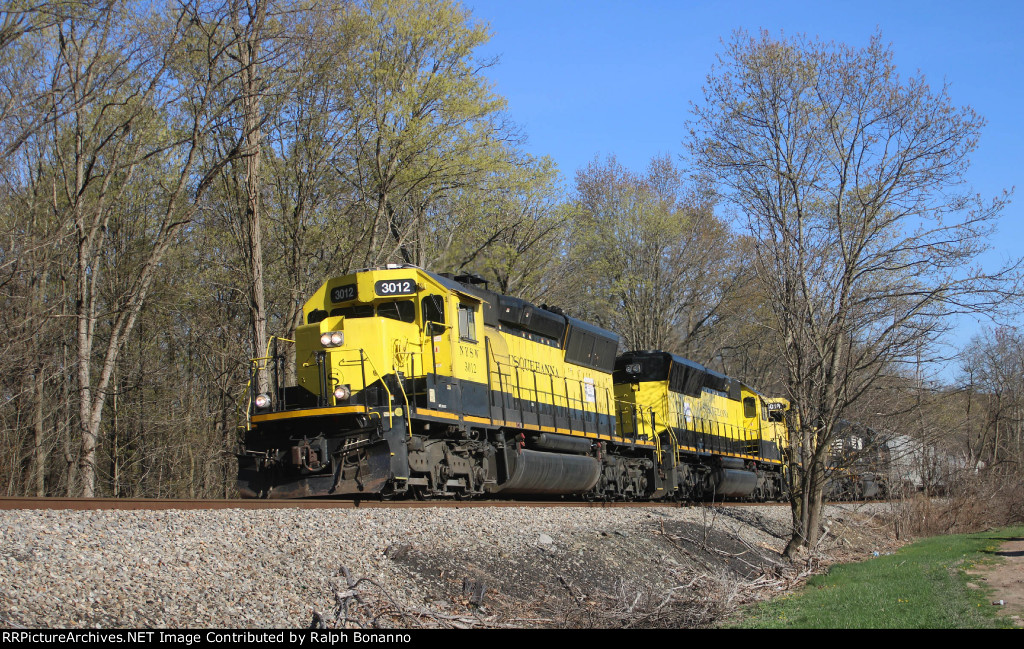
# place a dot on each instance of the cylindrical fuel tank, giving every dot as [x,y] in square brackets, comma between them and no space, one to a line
[733,483]
[537,472]
[555,442]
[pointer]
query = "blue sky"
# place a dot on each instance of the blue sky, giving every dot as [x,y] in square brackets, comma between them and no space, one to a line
[599,77]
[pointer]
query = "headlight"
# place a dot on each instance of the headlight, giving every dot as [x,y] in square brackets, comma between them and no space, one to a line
[332,338]
[342,392]
[262,401]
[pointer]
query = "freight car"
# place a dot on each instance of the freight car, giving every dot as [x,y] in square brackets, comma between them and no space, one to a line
[411,383]
[858,464]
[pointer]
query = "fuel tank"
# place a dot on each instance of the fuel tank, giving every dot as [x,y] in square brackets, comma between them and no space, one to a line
[539,472]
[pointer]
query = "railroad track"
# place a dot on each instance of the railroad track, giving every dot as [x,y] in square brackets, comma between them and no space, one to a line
[7,502]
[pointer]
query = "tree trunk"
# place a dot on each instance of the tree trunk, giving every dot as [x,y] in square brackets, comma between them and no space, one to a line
[39,446]
[251,117]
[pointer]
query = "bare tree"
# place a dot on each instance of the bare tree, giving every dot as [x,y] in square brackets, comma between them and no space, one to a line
[850,180]
[642,245]
[994,371]
[247,26]
[309,213]
[26,105]
[137,108]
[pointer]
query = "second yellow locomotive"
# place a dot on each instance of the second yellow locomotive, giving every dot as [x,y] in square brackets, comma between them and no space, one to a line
[411,383]
[725,439]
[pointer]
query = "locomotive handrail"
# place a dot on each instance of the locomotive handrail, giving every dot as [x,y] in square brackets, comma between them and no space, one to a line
[250,386]
[714,436]
[675,445]
[521,393]
[366,357]
[635,422]
[412,370]
[363,359]
[405,397]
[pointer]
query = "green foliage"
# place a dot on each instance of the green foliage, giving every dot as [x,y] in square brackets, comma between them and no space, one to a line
[922,586]
[132,130]
[425,123]
[508,229]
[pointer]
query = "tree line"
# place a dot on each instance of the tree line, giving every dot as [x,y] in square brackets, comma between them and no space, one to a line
[180,177]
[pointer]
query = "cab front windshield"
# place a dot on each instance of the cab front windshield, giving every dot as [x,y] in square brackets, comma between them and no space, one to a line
[402,310]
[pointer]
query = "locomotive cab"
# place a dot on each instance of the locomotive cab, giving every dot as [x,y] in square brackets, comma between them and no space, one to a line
[368,334]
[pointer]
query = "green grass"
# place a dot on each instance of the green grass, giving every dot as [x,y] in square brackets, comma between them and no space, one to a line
[922,586]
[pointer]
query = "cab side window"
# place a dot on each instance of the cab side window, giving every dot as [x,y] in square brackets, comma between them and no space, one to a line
[749,407]
[433,312]
[467,322]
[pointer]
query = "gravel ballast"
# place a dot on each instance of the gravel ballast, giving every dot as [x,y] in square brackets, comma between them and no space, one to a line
[274,568]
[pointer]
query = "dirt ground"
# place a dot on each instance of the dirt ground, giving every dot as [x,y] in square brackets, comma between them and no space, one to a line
[671,568]
[1007,579]
[682,568]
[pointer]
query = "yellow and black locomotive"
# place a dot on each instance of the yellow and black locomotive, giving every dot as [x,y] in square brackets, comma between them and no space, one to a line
[411,383]
[724,438]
